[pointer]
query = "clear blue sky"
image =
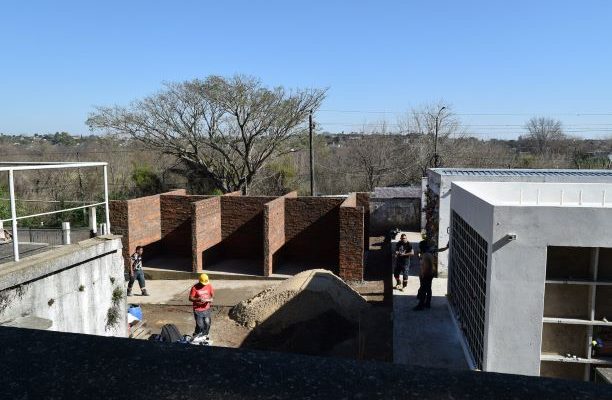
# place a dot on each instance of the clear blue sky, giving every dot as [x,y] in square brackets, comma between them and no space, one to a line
[60,58]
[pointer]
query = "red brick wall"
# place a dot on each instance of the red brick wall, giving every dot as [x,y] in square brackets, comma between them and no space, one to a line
[175,218]
[120,225]
[311,229]
[274,231]
[138,221]
[242,226]
[206,228]
[181,192]
[363,200]
[351,240]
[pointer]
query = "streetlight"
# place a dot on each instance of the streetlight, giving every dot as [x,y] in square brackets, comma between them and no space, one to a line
[435,157]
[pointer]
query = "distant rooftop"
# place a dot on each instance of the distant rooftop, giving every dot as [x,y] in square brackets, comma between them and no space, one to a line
[543,194]
[397,192]
[521,172]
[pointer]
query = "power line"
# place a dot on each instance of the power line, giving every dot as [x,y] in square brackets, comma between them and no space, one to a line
[577,114]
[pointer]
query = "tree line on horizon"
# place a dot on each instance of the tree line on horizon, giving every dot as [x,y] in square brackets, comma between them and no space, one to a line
[218,135]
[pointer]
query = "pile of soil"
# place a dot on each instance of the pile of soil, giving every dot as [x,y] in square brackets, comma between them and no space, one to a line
[301,298]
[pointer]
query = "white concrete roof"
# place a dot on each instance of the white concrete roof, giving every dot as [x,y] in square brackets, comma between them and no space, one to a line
[598,195]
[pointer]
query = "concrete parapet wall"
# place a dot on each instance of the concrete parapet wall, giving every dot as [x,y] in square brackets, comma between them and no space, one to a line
[68,289]
[238,371]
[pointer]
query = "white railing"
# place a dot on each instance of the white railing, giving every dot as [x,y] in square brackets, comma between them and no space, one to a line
[16,167]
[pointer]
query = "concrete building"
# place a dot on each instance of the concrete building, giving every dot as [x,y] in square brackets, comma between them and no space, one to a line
[530,275]
[437,197]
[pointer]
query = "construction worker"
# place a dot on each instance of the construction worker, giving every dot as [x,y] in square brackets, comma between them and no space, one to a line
[136,272]
[201,295]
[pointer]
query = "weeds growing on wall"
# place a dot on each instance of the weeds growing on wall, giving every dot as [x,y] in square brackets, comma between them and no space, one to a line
[113,313]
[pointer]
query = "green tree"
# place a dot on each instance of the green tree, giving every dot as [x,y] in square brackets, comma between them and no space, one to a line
[146,181]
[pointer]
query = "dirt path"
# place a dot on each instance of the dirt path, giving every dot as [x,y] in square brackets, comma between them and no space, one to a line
[370,339]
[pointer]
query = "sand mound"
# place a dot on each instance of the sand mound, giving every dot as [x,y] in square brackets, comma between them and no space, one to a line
[300,298]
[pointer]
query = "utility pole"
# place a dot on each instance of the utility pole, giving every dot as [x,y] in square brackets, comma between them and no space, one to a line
[310,132]
[435,157]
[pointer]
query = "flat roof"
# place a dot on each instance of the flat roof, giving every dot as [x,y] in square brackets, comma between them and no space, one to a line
[521,172]
[543,194]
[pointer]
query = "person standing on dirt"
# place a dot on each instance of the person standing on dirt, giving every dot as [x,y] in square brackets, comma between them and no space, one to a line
[201,295]
[403,251]
[136,272]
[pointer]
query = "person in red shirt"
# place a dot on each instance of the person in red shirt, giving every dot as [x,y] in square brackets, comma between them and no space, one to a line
[201,295]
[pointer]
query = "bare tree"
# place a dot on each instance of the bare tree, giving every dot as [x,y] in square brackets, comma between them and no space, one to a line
[373,156]
[223,130]
[430,127]
[543,132]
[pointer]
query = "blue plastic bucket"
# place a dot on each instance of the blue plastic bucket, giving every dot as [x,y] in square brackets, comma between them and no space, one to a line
[135,310]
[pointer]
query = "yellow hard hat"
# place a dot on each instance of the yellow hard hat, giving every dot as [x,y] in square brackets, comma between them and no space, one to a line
[203,278]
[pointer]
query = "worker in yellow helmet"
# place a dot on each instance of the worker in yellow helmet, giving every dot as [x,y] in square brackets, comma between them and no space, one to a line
[201,295]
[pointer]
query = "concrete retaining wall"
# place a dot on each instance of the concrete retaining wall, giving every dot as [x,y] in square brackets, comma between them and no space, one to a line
[69,289]
[402,213]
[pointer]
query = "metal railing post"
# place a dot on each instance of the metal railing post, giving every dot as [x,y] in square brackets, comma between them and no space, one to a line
[66,233]
[14,216]
[108,225]
[93,224]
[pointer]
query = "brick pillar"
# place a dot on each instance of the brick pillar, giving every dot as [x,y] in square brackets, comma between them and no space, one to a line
[351,246]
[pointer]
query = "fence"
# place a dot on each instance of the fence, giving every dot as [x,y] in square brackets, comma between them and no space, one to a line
[52,237]
[51,194]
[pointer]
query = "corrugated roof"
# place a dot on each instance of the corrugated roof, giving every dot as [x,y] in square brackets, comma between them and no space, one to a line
[522,172]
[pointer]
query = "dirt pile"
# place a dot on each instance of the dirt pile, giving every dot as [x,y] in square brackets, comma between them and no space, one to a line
[301,298]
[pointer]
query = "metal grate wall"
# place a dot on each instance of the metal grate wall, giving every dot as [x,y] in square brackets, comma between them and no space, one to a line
[468,283]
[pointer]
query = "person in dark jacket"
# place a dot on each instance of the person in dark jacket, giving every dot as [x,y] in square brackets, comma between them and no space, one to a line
[429,271]
[403,251]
